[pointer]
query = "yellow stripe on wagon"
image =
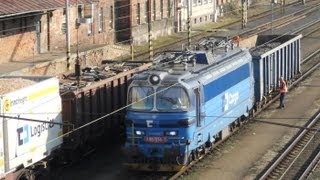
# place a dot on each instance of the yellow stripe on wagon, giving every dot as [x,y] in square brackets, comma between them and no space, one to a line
[43,92]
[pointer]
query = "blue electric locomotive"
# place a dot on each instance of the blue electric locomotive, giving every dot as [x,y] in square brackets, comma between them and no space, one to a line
[186,101]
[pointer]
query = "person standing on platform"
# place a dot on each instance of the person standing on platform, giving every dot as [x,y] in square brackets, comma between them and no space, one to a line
[283,90]
[236,40]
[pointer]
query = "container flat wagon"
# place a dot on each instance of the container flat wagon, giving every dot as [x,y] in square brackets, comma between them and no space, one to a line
[29,127]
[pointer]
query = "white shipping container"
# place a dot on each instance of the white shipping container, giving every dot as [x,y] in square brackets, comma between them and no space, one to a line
[25,142]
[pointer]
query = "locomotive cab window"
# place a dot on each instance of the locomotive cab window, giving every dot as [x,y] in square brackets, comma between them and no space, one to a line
[141,98]
[172,99]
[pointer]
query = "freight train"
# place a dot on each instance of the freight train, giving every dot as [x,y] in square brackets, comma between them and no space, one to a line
[46,118]
[186,101]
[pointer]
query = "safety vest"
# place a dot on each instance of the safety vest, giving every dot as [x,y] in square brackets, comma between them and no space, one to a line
[283,86]
[236,39]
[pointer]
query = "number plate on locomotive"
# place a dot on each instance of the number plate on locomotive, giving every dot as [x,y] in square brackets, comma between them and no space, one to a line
[155,139]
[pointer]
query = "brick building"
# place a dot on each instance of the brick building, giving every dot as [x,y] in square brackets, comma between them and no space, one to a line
[32,27]
[166,17]
[133,17]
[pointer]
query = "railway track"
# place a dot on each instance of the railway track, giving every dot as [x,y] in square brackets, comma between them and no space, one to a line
[284,20]
[300,156]
[185,170]
[305,74]
[310,63]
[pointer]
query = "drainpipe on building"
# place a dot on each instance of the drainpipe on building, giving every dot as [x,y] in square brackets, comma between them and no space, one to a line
[77,64]
[67,33]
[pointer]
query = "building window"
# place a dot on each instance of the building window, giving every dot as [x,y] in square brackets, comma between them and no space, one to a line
[138,14]
[101,20]
[205,1]
[210,1]
[161,9]
[194,2]
[23,24]
[154,10]
[63,22]
[38,26]
[195,20]
[89,29]
[111,18]
[169,8]
[200,2]
[3,30]
[80,11]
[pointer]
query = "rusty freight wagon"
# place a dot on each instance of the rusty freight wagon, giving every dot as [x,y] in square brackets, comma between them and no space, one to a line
[94,111]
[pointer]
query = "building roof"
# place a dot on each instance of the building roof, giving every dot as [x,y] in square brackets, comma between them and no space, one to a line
[16,7]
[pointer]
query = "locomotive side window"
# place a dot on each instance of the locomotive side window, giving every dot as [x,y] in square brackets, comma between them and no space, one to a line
[141,98]
[172,99]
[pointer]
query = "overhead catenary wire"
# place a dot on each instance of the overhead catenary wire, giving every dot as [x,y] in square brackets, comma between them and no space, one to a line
[109,114]
[105,19]
[36,120]
[100,118]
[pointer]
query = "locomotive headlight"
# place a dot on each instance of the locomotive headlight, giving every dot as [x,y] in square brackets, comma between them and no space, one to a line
[154,79]
[171,133]
[140,133]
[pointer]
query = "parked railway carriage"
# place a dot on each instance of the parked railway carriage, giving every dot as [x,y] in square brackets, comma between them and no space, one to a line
[190,99]
[181,105]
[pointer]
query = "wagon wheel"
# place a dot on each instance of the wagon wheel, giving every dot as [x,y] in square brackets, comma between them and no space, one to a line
[26,174]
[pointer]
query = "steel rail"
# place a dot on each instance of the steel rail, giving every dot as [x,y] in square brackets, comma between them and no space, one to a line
[276,163]
[302,77]
[184,170]
[310,167]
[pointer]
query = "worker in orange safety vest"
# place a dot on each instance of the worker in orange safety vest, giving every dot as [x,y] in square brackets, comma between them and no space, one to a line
[236,40]
[283,89]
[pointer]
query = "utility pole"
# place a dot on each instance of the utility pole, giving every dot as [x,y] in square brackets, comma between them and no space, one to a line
[272,3]
[244,13]
[67,33]
[189,25]
[77,64]
[283,3]
[150,31]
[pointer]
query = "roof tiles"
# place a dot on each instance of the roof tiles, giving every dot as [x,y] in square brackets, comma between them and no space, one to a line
[11,7]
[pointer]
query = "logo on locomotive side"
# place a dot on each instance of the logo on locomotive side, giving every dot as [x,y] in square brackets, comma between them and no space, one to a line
[230,99]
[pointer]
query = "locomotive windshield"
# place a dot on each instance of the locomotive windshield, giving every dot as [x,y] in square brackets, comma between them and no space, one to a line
[141,98]
[166,99]
[172,99]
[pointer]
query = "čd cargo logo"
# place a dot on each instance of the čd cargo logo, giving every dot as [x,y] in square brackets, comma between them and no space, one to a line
[27,132]
[230,99]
